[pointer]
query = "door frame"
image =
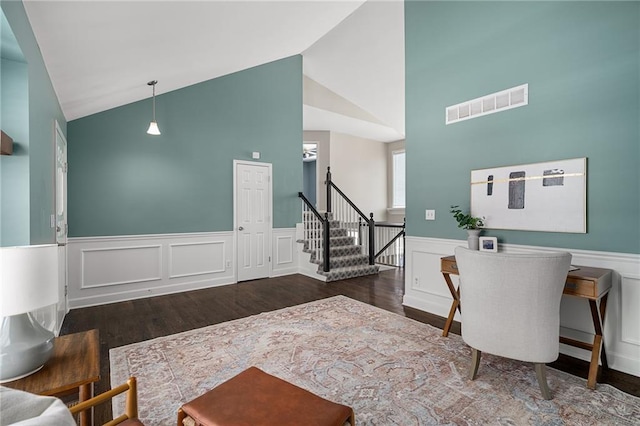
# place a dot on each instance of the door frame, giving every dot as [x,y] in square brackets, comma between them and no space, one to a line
[62,308]
[269,166]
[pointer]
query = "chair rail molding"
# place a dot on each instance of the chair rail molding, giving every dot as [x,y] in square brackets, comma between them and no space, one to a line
[425,289]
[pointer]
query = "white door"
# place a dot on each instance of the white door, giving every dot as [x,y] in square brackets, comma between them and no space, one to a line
[61,219]
[252,217]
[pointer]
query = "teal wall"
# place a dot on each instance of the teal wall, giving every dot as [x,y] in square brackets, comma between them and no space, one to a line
[582,63]
[44,110]
[125,182]
[14,169]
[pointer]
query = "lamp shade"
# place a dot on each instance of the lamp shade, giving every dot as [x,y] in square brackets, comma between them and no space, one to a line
[153,129]
[28,278]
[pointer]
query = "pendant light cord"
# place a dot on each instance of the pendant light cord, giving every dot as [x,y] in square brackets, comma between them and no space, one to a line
[154,101]
[153,83]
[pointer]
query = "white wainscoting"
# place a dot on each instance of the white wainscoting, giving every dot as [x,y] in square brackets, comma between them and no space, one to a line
[284,251]
[113,269]
[426,290]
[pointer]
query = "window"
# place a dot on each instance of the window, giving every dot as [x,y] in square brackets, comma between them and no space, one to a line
[398,179]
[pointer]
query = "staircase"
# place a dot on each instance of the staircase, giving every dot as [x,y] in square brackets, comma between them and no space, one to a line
[346,257]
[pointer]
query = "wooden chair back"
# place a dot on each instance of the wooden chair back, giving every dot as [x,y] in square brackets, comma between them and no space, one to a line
[131,405]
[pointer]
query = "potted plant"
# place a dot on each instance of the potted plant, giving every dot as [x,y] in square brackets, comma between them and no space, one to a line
[472,225]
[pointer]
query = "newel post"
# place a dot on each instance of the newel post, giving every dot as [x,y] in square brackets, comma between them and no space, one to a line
[328,184]
[325,239]
[372,248]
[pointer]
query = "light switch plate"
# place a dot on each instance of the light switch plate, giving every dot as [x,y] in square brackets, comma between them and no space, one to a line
[429,215]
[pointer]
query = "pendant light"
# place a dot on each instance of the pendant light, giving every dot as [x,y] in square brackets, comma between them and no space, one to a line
[153,126]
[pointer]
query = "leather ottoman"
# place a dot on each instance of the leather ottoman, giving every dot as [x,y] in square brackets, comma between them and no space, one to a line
[255,398]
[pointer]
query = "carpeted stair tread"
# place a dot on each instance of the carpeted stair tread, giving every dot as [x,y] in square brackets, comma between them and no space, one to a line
[341,261]
[345,250]
[341,241]
[339,251]
[343,273]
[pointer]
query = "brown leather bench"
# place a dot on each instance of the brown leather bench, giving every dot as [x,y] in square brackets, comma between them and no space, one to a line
[255,398]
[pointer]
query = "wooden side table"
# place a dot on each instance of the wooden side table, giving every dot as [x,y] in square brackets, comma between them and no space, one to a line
[586,282]
[75,364]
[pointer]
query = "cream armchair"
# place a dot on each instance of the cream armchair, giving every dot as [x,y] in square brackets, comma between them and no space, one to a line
[510,306]
[27,409]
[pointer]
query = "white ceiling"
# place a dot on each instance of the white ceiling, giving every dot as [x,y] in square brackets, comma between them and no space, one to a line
[101,54]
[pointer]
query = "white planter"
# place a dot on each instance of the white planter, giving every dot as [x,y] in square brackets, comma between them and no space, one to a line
[473,239]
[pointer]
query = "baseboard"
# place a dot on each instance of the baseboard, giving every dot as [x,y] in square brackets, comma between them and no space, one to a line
[122,296]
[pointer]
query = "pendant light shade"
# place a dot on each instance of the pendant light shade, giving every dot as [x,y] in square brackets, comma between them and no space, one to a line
[153,126]
[153,129]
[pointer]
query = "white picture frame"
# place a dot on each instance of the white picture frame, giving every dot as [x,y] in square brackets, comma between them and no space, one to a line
[488,244]
[549,196]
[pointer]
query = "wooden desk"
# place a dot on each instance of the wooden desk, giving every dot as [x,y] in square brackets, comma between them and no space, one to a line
[75,364]
[592,284]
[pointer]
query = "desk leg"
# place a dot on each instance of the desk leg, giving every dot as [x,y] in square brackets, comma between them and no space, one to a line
[597,343]
[454,305]
[603,309]
[85,392]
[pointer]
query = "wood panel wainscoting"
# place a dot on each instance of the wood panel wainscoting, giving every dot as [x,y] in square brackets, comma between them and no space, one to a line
[143,319]
[114,269]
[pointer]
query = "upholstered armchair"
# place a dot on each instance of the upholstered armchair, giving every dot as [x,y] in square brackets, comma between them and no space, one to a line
[510,306]
[20,408]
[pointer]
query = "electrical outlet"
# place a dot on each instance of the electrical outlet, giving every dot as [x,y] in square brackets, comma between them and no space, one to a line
[429,215]
[416,281]
[228,264]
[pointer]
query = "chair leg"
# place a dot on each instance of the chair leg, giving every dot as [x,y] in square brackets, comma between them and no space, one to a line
[475,363]
[181,416]
[352,419]
[541,374]
[131,407]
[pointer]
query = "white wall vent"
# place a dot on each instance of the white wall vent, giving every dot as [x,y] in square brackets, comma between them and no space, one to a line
[496,102]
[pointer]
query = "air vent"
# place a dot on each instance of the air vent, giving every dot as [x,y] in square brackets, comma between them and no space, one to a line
[495,102]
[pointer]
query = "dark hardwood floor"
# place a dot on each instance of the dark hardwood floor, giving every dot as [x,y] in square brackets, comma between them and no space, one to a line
[143,319]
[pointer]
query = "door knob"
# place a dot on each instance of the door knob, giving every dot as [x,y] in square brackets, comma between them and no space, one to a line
[241,229]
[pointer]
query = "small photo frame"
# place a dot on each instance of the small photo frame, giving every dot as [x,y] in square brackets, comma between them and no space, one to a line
[489,244]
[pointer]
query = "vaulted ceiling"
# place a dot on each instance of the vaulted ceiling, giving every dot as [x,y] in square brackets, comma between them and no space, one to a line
[100,54]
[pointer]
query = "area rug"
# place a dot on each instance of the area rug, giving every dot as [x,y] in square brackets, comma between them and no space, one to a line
[390,369]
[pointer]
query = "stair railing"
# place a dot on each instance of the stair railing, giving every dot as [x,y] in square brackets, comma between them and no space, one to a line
[351,218]
[315,230]
[393,251]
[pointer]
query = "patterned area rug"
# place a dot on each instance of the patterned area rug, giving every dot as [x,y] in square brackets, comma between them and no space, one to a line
[390,369]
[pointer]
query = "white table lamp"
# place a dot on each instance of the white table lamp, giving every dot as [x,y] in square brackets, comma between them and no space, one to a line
[28,281]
